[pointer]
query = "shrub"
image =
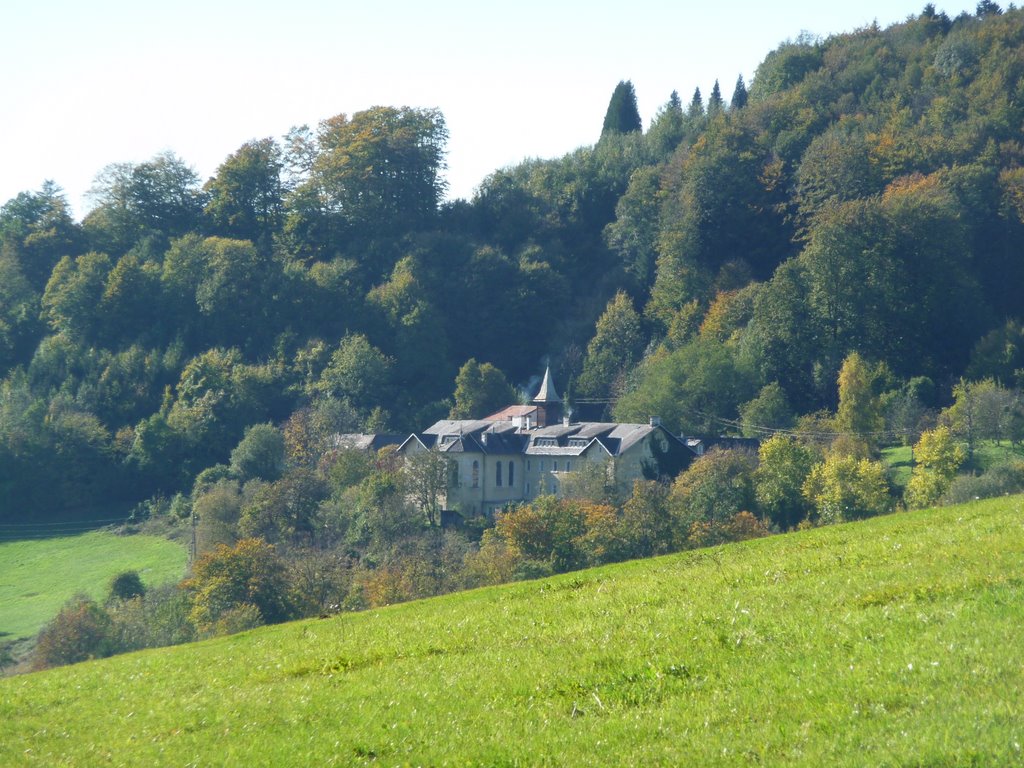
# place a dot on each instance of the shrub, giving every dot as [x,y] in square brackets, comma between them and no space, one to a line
[238,619]
[260,454]
[248,573]
[156,619]
[127,585]
[1000,480]
[81,631]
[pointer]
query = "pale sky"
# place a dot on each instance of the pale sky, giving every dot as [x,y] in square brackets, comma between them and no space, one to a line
[87,83]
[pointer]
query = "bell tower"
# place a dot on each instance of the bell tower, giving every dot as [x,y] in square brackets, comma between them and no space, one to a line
[549,404]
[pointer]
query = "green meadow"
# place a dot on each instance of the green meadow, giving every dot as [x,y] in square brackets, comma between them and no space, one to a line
[37,576]
[891,642]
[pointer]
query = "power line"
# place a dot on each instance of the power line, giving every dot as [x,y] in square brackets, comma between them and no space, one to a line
[47,530]
[743,425]
[66,522]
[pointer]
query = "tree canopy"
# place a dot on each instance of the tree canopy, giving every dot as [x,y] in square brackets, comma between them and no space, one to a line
[622,116]
[862,195]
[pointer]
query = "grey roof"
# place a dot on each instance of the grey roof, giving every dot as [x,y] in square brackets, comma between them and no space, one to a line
[474,436]
[555,430]
[505,438]
[630,434]
[366,442]
[457,426]
[594,428]
[555,450]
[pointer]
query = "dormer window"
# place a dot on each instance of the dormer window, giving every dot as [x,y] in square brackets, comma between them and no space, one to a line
[448,439]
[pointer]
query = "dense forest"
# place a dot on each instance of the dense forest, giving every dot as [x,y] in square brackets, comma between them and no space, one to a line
[829,261]
[864,197]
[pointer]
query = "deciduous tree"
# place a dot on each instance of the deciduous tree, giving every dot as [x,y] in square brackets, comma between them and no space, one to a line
[844,488]
[937,458]
[480,389]
[247,574]
[782,470]
[616,348]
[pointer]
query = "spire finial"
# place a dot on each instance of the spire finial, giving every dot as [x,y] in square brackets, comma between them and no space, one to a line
[547,392]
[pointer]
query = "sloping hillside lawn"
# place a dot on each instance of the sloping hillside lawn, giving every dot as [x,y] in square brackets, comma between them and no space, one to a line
[37,576]
[893,642]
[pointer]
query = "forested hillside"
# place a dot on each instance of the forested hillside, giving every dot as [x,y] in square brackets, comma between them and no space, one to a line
[716,269]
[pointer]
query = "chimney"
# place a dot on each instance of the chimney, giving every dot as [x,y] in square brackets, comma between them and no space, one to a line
[655,421]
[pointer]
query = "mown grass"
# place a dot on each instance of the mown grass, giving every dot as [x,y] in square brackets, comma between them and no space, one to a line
[891,642]
[989,453]
[37,576]
[899,461]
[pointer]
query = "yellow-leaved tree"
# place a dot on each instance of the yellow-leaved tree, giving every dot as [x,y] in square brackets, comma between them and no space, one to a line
[938,458]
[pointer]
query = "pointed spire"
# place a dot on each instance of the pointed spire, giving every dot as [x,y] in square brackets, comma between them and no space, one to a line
[547,392]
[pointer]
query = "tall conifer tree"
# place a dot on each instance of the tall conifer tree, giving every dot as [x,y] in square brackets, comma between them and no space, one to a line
[696,104]
[622,115]
[739,94]
[715,103]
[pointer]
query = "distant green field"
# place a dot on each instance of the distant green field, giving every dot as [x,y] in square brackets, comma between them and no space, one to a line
[890,642]
[988,453]
[899,461]
[38,576]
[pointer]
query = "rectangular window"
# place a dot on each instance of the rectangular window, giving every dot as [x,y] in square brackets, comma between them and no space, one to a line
[568,466]
[554,465]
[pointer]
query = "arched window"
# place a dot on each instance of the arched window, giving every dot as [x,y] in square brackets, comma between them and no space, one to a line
[497,474]
[511,474]
[476,474]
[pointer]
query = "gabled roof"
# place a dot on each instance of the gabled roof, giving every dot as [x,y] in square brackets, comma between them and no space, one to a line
[366,442]
[506,438]
[456,426]
[427,441]
[473,436]
[512,412]
[629,435]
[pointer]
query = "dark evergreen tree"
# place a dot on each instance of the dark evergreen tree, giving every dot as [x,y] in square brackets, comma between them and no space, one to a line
[696,104]
[739,94]
[715,103]
[987,8]
[622,115]
[666,129]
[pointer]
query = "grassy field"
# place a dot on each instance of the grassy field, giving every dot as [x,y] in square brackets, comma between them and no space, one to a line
[891,642]
[988,453]
[37,576]
[899,462]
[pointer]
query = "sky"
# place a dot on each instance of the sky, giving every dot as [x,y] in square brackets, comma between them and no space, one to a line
[88,84]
